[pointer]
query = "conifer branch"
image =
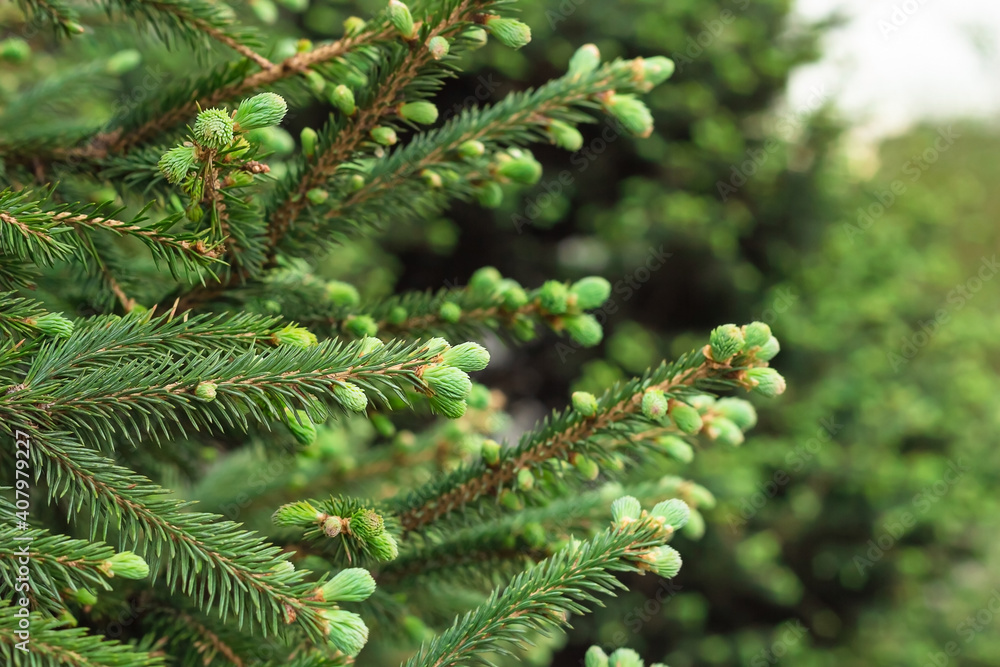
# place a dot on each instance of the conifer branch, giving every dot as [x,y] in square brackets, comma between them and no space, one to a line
[566,433]
[544,595]
[244,574]
[192,19]
[52,645]
[385,97]
[147,395]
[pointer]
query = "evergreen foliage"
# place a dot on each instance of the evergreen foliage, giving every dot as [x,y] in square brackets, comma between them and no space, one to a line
[171,340]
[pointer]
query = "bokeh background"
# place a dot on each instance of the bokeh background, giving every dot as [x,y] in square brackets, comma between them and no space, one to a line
[811,168]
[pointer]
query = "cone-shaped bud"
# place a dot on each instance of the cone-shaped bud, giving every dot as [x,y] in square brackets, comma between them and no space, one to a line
[553,296]
[177,162]
[206,391]
[431,178]
[587,467]
[665,561]
[584,329]
[585,403]
[565,136]
[368,345]
[351,396]
[296,514]
[526,170]
[726,342]
[14,50]
[84,597]
[766,381]
[448,381]
[471,149]
[699,496]
[366,524]
[317,196]
[509,32]
[437,346]
[213,128]
[295,336]
[685,418]
[241,179]
[468,357]
[332,526]
[452,408]
[489,194]
[658,69]
[523,328]
[695,528]
[54,324]
[450,312]
[673,512]
[261,110]
[534,535]
[586,59]
[342,97]
[476,37]
[401,19]
[353,25]
[397,315]
[316,82]
[625,509]
[738,411]
[701,402]
[301,426]
[479,397]
[345,630]
[126,565]
[361,325]
[525,480]
[438,47]
[351,585]
[768,350]
[595,657]
[632,113]
[654,404]
[513,294]
[756,334]
[342,294]
[422,112]
[591,292]
[625,657]
[725,432]
[511,500]
[384,547]
[485,280]
[676,448]
[491,452]
[386,136]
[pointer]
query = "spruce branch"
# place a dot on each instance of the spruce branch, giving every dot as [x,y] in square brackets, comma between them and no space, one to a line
[542,597]
[225,568]
[519,119]
[51,645]
[572,431]
[193,20]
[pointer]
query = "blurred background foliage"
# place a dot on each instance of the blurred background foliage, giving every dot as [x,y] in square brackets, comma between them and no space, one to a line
[858,523]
